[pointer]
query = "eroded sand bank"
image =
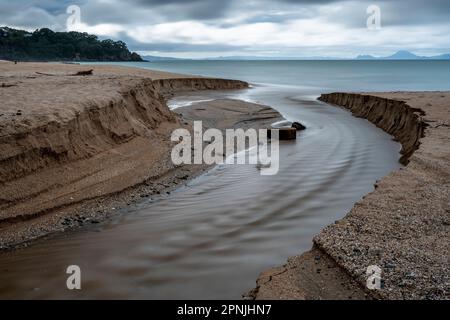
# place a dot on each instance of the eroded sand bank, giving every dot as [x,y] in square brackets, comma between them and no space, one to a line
[76,148]
[402,226]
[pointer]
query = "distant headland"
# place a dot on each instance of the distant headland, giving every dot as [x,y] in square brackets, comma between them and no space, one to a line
[47,45]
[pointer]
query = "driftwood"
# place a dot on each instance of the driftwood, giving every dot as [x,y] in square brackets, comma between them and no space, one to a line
[79,73]
[83,73]
[8,85]
[45,74]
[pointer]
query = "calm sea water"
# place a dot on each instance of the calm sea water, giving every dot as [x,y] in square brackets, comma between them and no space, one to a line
[212,238]
[321,76]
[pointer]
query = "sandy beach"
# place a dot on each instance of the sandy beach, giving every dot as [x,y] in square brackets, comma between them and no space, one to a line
[77,148]
[402,226]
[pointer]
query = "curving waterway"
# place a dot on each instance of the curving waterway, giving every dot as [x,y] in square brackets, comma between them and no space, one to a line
[213,237]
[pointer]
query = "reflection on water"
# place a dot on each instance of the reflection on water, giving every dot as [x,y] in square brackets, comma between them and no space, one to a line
[212,238]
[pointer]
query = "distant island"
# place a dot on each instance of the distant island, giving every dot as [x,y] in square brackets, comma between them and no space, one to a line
[47,45]
[404,55]
[399,55]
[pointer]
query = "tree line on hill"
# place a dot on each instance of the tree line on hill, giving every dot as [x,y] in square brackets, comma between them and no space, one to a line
[47,45]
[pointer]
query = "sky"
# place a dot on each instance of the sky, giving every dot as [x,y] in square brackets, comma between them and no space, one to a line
[266,28]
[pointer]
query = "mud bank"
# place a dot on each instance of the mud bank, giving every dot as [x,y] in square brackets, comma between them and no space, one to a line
[71,141]
[402,226]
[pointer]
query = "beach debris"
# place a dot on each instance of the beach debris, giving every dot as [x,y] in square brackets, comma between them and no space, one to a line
[84,73]
[7,85]
[283,133]
[45,74]
[298,126]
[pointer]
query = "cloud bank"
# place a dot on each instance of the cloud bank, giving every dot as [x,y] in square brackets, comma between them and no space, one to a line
[288,28]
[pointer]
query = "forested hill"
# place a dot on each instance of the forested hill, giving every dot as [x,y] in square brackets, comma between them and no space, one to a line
[46,45]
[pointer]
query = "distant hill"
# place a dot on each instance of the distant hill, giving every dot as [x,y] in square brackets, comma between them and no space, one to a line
[400,55]
[442,57]
[47,45]
[404,55]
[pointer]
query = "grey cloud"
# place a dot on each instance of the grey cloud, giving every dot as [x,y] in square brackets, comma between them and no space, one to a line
[22,15]
[56,7]
[179,9]
[145,12]
[221,13]
[397,12]
[176,47]
[415,12]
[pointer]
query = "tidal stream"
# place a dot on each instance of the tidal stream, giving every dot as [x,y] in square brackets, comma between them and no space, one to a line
[211,238]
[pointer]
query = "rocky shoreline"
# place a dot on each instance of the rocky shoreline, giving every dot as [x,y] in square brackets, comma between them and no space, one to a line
[402,226]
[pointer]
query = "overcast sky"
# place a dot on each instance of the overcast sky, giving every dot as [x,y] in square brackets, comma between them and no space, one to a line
[287,28]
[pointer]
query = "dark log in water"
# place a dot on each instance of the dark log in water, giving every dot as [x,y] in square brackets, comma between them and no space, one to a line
[283,133]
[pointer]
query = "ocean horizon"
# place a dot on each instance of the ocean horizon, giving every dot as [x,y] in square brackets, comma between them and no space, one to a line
[318,76]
